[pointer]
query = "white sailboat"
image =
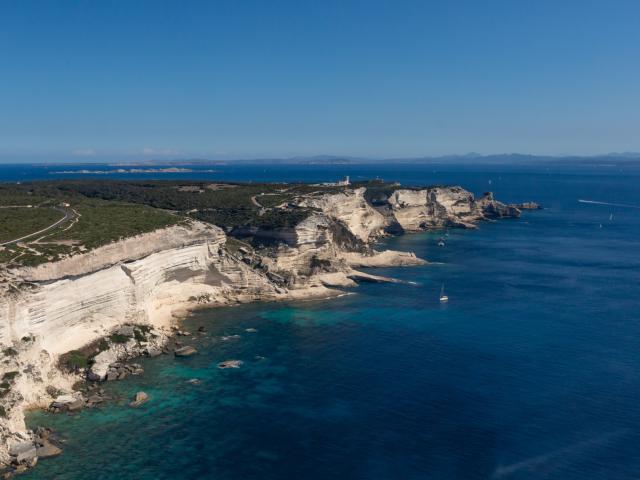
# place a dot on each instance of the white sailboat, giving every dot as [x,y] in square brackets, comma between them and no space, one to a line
[443,298]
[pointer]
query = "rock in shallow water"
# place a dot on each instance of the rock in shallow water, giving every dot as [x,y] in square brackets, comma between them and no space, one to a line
[47,449]
[230,364]
[185,351]
[76,405]
[139,399]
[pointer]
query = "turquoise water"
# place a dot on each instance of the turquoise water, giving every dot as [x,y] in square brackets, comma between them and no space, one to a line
[532,370]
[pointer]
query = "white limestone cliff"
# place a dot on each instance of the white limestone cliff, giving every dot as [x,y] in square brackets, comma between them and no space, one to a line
[152,279]
[422,209]
[351,208]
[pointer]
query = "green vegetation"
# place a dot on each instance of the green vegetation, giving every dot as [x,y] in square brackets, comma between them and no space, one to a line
[140,332]
[18,222]
[232,218]
[273,200]
[74,360]
[3,412]
[118,338]
[46,252]
[168,195]
[82,357]
[139,336]
[10,352]
[7,253]
[227,205]
[12,194]
[103,222]
[378,191]
[103,211]
[102,345]
[93,222]
[10,375]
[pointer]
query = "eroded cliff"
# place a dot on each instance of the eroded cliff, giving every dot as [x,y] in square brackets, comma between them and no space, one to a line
[153,278]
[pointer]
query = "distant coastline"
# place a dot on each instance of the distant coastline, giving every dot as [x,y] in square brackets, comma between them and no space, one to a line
[128,170]
[605,159]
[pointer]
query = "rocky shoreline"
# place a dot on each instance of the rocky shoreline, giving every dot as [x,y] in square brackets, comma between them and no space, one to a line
[87,317]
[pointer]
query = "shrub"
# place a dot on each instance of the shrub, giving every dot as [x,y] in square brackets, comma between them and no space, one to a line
[10,375]
[139,335]
[76,359]
[103,345]
[117,338]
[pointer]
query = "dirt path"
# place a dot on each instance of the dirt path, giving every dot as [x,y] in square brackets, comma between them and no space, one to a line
[67,215]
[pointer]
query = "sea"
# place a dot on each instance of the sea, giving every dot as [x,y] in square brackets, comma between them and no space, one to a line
[530,371]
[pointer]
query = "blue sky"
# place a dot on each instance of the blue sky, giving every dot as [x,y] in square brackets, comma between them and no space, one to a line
[89,80]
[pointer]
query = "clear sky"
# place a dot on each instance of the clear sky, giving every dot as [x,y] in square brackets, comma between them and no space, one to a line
[104,79]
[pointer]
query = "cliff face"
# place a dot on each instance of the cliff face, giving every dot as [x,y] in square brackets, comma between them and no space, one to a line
[128,281]
[350,208]
[150,279]
[141,280]
[416,210]
[55,308]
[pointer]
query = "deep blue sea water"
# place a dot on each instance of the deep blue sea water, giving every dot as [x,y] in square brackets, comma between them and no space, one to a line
[532,370]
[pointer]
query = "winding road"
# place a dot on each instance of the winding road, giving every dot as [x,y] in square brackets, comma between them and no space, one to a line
[67,216]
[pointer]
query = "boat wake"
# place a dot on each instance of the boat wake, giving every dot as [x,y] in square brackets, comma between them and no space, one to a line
[594,202]
[556,458]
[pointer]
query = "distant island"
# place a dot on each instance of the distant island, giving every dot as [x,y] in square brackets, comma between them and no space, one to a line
[96,272]
[621,158]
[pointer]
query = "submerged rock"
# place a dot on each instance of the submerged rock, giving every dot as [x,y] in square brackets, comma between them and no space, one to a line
[229,337]
[230,364]
[185,351]
[94,400]
[76,405]
[47,449]
[139,399]
[67,403]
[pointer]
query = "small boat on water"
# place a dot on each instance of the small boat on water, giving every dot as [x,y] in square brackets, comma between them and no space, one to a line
[441,242]
[443,297]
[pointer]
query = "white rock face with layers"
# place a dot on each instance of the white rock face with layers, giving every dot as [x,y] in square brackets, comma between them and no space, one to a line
[136,280]
[351,208]
[153,278]
[146,279]
[437,207]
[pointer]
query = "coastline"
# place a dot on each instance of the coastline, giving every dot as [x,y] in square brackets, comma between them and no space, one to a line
[172,272]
